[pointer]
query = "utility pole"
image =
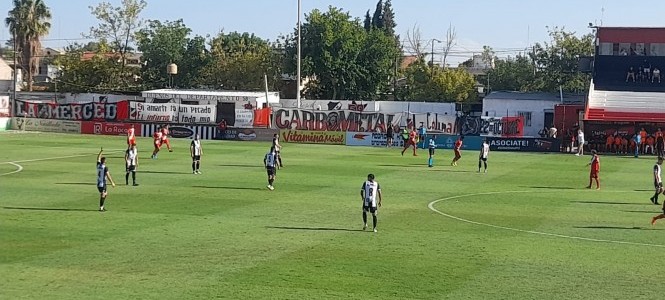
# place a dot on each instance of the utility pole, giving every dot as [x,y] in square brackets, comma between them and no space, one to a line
[298,63]
[432,59]
[15,71]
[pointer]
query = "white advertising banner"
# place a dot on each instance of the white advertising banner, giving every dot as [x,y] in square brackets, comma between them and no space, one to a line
[371,139]
[244,118]
[4,106]
[172,113]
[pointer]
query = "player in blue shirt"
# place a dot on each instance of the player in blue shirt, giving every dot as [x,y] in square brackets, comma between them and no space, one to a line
[422,132]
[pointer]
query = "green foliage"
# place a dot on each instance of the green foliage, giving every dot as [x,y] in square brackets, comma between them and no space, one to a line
[29,21]
[239,62]
[377,19]
[512,74]
[91,74]
[437,84]
[161,44]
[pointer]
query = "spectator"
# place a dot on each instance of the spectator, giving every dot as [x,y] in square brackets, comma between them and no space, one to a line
[646,69]
[624,52]
[543,132]
[630,74]
[617,144]
[552,132]
[643,140]
[648,149]
[608,143]
[655,75]
[624,144]
[633,144]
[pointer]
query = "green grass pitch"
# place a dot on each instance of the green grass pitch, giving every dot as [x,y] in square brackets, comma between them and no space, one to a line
[222,234]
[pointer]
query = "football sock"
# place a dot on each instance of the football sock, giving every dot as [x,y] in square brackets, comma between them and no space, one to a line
[127,178]
[479,165]
[655,196]
[101,201]
[430,162]
[198,165]
[364,217]
[374,220]
[270,181]
[193,166]
[134,177]
[485,165]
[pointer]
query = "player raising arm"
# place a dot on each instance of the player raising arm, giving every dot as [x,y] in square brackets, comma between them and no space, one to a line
[368,193]
[102,175]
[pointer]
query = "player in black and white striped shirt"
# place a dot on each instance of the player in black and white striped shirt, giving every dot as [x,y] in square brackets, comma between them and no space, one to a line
[368,193]
[195,150]
[131,164]
[270,162]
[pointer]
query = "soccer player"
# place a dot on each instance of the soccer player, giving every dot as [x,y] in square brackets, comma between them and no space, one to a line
[368,193]
[422,133]
[657,180]
[157,137]
[102,175]
[660,145]
[595,169]
[278,149]
[165,137]
[131,138]
[195,151]
[131,164]
[389,136]
[484,153]
[457,150]
[270,162]
[580,142]
[411,142]
[432,146]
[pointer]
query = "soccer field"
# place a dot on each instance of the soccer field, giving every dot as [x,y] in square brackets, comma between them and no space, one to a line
[528,229]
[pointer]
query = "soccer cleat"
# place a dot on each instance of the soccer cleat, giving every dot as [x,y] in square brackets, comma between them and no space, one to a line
[653,221]
[653,200]
[485,171]
[270,187]
[364,227]
[170,150]
[198,172]
[135,184]
[101,209]
[375,230]
[588,187]
[194,172]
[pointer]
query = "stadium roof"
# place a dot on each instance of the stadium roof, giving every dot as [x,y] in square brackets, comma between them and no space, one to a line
[522,96]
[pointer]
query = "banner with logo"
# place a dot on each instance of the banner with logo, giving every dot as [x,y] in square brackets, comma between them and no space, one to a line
[524,144]
[109,128]
[246,134]
[370,139]
[182,131]
[244,118]
[339,120]
[313,137]
[446,141]
[173,113]
[492,126]
[440,123]
[92,111]
[45,125]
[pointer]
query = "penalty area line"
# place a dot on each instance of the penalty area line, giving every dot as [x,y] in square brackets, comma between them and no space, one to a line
[571,237]
[19,168]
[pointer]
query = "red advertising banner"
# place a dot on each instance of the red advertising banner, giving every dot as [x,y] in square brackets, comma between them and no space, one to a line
[109,128]
[92,111]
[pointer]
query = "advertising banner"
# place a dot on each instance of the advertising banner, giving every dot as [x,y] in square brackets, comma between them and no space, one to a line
[244,118]
[108,128]
[433,122]
[246,134]
[5,124]
[92,111]
[446,141]
[524,144]
[370,139]
[313,137]
[172,113]
[45,125]
[339,120]
[492,126]
[184,131]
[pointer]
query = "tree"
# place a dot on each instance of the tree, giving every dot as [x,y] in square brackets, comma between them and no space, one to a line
[368,21]
[117,27]
[82,73]
[195,59]
[161,44]
[449,43]
[29,21]
[389,19]
[414,39]
[512,74]
[239,62]
[377,19]
[437,84]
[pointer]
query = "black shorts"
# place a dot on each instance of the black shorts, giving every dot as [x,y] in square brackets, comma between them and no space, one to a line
[271,171]
[131,168]
[102,189]
[657,185]
[482,158]
[431,151]
[196,157]
[369,208]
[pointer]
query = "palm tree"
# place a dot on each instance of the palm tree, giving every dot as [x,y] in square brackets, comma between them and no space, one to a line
[28,21]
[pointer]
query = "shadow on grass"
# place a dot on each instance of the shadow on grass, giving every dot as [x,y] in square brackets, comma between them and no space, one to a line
[611,203]
[76,183]
[452,171]
[405,165]
[645,190]
[551,187]
[47,209]
[229,188]
[642,211]
[615,227]
[314,228]
[162,172]
[241,166]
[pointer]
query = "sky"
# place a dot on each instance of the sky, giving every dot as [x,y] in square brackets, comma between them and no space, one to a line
[508,26]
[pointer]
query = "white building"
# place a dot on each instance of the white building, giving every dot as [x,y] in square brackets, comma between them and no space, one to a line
[537,109]
[7,77]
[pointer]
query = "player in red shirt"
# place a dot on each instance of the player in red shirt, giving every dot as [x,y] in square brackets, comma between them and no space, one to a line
[457,150]
[411,142]
[595,169]
[157,137]
[165,137]
[131,138]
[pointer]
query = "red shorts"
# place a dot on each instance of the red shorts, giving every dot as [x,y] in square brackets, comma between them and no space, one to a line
[593,174]
[165,140]
[131,141]
[457,153]
[158,143]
